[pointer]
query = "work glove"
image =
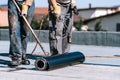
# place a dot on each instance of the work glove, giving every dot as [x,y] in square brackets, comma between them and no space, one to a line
[74,7]
[73,4]
[24,9]
[57,11]
[75,10]
[28,2]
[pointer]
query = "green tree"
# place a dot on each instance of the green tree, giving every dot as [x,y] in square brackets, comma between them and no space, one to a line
[98,26]
[45,25]
[35,22]
[78,25]
[40,23]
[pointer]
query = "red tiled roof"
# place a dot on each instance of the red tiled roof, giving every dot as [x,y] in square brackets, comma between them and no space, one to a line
[3,8]
[41,10]
[76,18]
[3,14]
[38,10]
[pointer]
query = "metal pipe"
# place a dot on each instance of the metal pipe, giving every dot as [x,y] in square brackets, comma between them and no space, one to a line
[52,62]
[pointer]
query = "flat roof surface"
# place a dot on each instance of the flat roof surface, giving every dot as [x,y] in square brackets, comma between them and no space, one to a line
[102,63]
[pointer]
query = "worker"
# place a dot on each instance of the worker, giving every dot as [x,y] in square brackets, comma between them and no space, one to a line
[60,25]
[18,30]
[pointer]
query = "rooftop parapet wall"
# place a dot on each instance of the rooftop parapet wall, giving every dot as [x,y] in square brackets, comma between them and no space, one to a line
[80,38]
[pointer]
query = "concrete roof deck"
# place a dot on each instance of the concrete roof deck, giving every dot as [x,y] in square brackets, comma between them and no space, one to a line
[102,65]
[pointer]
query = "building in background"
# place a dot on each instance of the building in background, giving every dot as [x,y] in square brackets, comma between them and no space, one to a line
[39,12]
[3,17]
[109,22]
[100,18]
[87,13]
[105,18]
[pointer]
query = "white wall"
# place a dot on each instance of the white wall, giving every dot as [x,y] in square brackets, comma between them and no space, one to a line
[101,12]
[91,13]
[108,23]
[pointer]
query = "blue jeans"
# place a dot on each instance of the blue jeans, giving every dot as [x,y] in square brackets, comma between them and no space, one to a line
[18,30]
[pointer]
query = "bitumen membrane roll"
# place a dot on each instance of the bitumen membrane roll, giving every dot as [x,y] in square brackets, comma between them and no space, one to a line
[51,62]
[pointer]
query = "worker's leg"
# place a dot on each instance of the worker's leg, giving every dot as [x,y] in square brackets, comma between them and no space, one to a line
[24,32]
[14,33]
[55,35]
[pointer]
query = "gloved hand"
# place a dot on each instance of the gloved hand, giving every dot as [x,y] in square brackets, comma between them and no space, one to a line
[73,6]
[24,9]
[28,2]
[75,10]
[57,11]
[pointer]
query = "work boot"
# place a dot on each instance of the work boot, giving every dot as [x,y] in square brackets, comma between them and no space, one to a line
[25,61]
[69,39]
[15,62]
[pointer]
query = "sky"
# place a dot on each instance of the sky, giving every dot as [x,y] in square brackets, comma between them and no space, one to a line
[80,3]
